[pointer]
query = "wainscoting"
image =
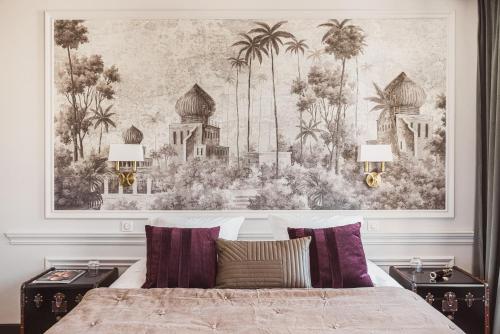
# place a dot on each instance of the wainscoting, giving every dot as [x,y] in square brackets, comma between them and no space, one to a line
[131,239]
[121,239]
[124,262]
[138,239]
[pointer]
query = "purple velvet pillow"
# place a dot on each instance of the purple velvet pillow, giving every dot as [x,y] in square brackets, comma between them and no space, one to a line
[181,257]
[337,257]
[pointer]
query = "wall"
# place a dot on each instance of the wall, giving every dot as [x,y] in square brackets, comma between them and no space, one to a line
[22,150]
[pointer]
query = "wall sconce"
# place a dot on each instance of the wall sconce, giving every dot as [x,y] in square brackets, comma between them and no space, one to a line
[124,153]
[374,154]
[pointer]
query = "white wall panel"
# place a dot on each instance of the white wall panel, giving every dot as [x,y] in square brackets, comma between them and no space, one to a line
[31,239]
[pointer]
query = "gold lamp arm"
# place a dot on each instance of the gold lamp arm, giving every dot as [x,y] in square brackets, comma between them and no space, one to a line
[374,178]
[126,178]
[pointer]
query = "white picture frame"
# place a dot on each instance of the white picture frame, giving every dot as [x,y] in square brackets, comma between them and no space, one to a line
[50,16]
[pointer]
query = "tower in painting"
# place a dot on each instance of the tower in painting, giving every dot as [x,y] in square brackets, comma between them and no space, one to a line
[133,135]
[195,136]
[401,123]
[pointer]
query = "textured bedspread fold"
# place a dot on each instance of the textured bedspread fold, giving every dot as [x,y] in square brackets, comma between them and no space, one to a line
[364,310]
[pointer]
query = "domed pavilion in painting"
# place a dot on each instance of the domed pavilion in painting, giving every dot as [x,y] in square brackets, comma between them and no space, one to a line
[401,124]
[195,136]
[135,136]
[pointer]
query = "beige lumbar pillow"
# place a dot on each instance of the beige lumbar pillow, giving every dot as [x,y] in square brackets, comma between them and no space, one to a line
[263,264]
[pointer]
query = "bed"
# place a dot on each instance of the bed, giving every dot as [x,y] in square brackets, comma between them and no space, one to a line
[125,308]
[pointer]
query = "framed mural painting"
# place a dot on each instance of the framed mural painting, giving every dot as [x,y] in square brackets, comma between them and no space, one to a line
[249,112]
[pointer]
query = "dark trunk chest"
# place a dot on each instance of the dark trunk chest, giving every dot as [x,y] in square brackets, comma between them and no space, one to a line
[42,305]
[463,298]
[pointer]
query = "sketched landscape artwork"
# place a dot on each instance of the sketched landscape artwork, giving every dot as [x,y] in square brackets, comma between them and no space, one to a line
[249,114]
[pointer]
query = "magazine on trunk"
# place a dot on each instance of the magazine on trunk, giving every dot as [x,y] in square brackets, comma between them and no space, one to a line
[60,276]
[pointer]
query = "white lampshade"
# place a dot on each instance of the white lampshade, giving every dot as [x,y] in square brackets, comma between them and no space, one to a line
[375,153]
[125,152]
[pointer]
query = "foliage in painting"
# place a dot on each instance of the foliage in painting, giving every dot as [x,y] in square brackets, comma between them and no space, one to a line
[247,115]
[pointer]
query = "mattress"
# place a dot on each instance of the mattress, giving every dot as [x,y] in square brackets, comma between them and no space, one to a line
[135,276]
[182,311]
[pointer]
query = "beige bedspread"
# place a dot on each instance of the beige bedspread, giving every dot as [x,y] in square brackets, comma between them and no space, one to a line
[366,310]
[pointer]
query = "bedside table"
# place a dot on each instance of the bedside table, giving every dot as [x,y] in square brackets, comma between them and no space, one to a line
[463,298]
[43,304]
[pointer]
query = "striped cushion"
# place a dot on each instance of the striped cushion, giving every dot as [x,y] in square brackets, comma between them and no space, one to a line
[180,257]
[263,264]
[337,256]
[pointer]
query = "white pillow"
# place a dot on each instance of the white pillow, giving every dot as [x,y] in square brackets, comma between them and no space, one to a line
[280,224]
[379,276]
[135,276]
[229,226]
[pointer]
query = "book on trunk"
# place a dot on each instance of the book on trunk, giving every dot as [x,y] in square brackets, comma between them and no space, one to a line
[60,276]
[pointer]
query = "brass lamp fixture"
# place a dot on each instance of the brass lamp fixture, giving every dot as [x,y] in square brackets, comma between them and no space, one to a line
[378,154]
[125,157]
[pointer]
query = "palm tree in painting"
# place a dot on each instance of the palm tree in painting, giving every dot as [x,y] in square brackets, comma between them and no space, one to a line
[93,174]
[315,55]
[297,47]
[261,78]
[251,49]
[154,120]
[308,130]
[382,102]
[271,38]
[103,119]
[317,189]
[167,151]
[357,102]
[344,41]
[156,156]
[228,80]
[237,63]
